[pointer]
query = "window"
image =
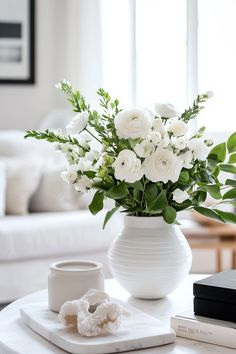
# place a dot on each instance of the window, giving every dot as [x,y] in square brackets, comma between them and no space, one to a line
[217,62]
[168,50]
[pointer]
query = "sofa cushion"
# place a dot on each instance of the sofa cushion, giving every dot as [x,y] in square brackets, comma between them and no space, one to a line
[53,194]
[22,179]
[2,189]
[12,143]
[52,234]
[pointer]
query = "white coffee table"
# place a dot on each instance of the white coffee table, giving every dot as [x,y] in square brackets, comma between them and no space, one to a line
[17,338]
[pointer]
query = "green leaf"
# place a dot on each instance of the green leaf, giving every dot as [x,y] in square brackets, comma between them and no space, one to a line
[231,143]
[232,158]
[169,214]
[218,152]
[231,194]
[109,215]
[183,177]
[230,182]
[212,162]
[227,216]
[214,191]
[151,193]
[159,203]
[118,191]
[137,195]
[201,130]
[90,174]
[133,142]
[181,206]
[210,213]
[97,203]
[216,172]
[199,197]
[227,168]
[137,185]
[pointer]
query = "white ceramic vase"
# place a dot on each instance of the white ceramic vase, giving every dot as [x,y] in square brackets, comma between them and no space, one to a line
[149,258]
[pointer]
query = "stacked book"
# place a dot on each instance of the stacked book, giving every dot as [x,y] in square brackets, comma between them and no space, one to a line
[214,317]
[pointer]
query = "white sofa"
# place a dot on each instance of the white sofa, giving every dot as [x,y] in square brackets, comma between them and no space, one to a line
[30,243]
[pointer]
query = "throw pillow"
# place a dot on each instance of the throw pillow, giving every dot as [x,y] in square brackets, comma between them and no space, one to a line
[2,190]
[12,143]
[23,177]
[53,194]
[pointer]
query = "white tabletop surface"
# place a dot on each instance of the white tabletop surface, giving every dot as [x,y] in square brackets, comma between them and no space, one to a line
[17,338]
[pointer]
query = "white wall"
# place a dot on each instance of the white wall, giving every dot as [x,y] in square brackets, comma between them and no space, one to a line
[67,46]
[22,106]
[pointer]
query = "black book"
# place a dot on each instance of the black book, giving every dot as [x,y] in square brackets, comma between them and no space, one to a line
[215,309]
[220,287]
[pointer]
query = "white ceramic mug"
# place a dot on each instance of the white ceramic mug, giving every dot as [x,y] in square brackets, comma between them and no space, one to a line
[69,280]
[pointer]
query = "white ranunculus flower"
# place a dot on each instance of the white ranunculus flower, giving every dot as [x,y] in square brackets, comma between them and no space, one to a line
[162,166]
[180,143]
[178,128]
[155,137]
[199,149]
[144,149]
[83,184]
[187,158]
[78,123]
[69,176]
[158,126]
[128,167]
[180,196]
[165,110]
[133,123]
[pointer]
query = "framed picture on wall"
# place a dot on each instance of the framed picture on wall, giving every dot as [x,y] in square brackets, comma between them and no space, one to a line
[17,41]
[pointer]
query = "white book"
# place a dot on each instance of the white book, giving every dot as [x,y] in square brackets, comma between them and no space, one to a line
[205,329]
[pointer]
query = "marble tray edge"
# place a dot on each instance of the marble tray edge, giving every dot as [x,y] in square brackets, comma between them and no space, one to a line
[147,342]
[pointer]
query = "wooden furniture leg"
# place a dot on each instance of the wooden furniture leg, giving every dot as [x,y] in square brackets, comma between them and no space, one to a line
[218,260]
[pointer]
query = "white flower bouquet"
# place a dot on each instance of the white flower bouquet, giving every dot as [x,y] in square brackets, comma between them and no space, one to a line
[148,162]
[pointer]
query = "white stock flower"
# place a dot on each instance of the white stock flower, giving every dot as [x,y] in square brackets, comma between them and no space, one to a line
[209,142]
[83,184]
[128,167]
[92,155]
[210,94]
[144,149]
[180,143]
[187,158]
[69,176]
[133,123]
[85,165]
[162,166]
[178,128]
[155,137]
[180,196]
[199,149]
[78,123]
[66,148]
[165,110]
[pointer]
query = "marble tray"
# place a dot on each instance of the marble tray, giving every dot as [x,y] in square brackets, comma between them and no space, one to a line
[136,332]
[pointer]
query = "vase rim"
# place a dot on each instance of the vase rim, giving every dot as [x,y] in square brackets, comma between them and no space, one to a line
[145,221]
[76,266]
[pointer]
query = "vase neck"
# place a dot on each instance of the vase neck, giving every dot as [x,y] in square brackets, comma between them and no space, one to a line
[141,222]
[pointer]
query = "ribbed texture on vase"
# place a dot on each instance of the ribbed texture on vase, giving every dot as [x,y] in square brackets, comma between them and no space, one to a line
[150,262]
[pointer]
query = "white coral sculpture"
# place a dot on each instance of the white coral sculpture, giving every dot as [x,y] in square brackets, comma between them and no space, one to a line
[93,314]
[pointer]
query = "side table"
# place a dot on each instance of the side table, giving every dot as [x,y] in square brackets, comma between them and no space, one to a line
[17,338]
